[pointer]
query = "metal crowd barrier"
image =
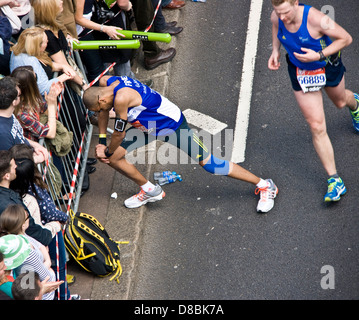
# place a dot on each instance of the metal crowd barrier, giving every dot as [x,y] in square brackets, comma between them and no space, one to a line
[72,166]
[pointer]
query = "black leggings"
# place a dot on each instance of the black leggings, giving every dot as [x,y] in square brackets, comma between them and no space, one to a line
[183,138]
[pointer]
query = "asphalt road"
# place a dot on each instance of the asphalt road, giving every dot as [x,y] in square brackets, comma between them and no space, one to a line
[205,239]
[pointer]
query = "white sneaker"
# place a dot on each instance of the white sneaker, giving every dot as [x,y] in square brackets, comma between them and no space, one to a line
[143,197]
[267,195]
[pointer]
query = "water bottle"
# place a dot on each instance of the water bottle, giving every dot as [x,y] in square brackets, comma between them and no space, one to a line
[158,175]
[169,178]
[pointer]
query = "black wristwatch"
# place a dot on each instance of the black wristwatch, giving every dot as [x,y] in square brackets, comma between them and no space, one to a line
[107,153]
[322,56]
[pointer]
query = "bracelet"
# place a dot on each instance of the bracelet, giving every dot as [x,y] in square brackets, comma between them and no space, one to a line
[107,153]
[322,56]
[101,29]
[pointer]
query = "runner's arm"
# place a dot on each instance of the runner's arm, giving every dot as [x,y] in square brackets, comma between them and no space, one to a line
[273,62]
[318,25]
[121,105]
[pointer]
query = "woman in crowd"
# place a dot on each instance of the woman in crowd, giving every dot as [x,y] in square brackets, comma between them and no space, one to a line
[29,181]
[90,29]
[14,220]
[32,105]
[46,12]
[30,50]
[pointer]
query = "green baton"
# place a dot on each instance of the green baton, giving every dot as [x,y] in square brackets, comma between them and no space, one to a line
[106,44]
[146,36]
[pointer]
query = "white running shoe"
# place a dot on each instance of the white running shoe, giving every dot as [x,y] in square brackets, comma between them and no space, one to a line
[267,195]
[143,197]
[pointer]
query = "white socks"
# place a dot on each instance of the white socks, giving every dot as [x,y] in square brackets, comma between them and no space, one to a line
[148,186]
[262,184]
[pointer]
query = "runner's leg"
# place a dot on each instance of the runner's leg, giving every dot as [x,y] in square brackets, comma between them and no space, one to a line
[200,153]
[311,105]
[119,163]
[341,97]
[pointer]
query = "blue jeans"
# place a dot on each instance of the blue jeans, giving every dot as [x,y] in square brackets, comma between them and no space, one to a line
[166,2]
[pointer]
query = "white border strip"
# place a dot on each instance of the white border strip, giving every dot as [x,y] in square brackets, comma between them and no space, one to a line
[204,121]
[245,94]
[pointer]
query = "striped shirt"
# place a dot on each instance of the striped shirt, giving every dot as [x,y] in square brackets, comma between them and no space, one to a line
[35,262]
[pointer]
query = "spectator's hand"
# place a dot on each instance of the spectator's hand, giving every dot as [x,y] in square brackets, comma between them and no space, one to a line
[11,4]
[70,40]
[85,86]
[112,32]
[126,7]
[55,90]
[64,77]
[50,286]
[40,153]
[68,70]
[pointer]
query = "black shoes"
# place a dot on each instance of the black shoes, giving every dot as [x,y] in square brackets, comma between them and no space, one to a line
[163,57]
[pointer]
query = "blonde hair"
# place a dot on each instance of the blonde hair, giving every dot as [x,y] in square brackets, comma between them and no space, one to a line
[29,42]
[46,12]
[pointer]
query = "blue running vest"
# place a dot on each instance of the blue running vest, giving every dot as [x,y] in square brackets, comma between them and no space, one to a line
[156,115]
[293,42]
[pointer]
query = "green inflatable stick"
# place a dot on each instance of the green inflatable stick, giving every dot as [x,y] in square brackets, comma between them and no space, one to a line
[106,44]
[146,36]
[109,2]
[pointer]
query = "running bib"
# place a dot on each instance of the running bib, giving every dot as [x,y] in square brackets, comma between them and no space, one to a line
[311,80]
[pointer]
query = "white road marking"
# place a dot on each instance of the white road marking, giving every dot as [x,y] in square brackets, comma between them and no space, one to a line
[245,94]
[204,121]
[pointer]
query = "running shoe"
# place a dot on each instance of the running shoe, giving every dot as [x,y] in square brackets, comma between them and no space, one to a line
[267,195]
[336,188]
[355,114]
[143,197]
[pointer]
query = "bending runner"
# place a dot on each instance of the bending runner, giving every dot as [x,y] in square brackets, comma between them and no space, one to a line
[150,112]
[314,62]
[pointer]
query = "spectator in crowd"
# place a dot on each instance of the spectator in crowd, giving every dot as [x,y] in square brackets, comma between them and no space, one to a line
[5,36]
[11,131]
[22,11]
[14,221]
[34,288]
[90,28]
[14,250]
[34,191]
[30,50]
[31,291]
[66,19]
[37,116]
[32,105]
[6,280]
[154,56]
[46,13]
[160,23]
[9,196]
